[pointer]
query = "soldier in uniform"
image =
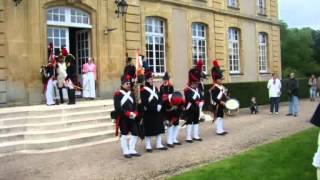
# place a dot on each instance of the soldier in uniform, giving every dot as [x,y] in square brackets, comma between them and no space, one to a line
[130,69]
[126,109]
[152,105]
[192,107]
[173,107]
[166,88]
[218,98]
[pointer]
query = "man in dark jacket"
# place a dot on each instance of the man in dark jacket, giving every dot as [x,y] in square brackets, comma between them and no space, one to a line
[293,93]
[152,117]
[125,106]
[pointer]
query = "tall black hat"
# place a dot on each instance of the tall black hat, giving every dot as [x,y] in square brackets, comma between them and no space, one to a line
[216,72]
[125,78]
[166,76]
[148,73]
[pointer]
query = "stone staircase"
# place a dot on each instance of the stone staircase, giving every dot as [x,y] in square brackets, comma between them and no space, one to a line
[41,129]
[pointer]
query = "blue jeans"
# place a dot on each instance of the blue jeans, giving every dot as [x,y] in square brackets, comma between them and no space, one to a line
[313,93]
[293,105]
[274,104]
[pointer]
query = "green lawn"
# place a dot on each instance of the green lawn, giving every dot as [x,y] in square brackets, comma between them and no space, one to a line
[286,159]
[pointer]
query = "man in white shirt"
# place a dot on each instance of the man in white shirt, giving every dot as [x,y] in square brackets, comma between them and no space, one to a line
[274,86]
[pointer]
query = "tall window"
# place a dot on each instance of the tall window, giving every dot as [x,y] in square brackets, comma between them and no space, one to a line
[58,36]
[59,19]
[234,50]
[65,16]
[263,52]
[232,3]
[199,45]
[261,6]
[155,44]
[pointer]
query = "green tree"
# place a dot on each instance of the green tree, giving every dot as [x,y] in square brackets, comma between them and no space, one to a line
[298,50]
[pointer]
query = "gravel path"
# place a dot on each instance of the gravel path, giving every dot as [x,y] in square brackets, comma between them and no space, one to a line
[106,162]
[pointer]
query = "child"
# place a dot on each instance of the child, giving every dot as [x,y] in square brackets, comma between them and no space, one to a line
[253,106]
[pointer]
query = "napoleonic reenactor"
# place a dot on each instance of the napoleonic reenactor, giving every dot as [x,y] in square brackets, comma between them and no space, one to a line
[126,110]
[219,97]
[152,117]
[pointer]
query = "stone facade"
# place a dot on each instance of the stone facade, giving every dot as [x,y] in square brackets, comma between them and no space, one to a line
[23,40]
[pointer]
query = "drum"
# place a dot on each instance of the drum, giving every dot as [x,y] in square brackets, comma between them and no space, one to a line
[232,106]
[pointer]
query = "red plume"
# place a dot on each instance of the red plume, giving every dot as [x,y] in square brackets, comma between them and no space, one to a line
[216,63]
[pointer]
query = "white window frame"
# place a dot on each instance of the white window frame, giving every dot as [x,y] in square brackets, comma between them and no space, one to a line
[263,52]
[58,37]
[64,15]
[234,50]
[233,3]
[199,41]
[155,31]
[261,6]
[82,56]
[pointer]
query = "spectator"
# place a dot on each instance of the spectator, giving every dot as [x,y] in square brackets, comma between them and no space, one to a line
[274,86]
[89,77]
[253,105]
[313,87]
[293,95]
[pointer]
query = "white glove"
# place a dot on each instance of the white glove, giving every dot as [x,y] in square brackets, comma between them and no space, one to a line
[132,115]
[159,108]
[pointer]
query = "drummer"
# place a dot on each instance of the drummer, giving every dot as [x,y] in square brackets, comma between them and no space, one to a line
[218,98]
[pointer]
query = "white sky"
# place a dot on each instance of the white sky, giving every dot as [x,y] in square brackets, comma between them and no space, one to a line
[300,13]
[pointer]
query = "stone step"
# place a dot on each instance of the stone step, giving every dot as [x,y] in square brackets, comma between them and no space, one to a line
[23,111]
[88,144]
[43,135]
[55,118]
[53,125]
[55,143]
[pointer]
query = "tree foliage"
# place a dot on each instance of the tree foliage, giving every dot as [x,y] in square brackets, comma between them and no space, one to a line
[300,50]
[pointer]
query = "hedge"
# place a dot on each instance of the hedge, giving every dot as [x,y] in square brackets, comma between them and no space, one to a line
[245,90]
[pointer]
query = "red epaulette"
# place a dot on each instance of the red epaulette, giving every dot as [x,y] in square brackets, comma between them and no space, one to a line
[141,89]
[117,93]
[186,89]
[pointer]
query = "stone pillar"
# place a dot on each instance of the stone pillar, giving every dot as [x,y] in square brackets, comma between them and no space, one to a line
[3,65]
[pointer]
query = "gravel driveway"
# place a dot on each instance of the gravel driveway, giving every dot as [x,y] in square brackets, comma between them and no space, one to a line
[106,162]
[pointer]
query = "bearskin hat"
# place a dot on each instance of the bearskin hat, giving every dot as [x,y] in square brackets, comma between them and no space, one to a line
[148,73]
[194,76]
[216,72]
[125,78]
[199,65]
[166,76]
[64,50]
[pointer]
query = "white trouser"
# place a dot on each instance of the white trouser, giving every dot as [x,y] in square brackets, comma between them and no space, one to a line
[170,135]
[124,144]
[147,140]
[89,90]
[196,131]
[175,134]
[159,144]
[200,109]
[132,144]
[188,132]
[50,92]
[219,125]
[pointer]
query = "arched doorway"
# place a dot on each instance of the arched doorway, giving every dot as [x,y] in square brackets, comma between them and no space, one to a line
[70,27]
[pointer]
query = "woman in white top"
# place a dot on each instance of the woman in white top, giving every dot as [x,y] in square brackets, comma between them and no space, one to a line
[274,86]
